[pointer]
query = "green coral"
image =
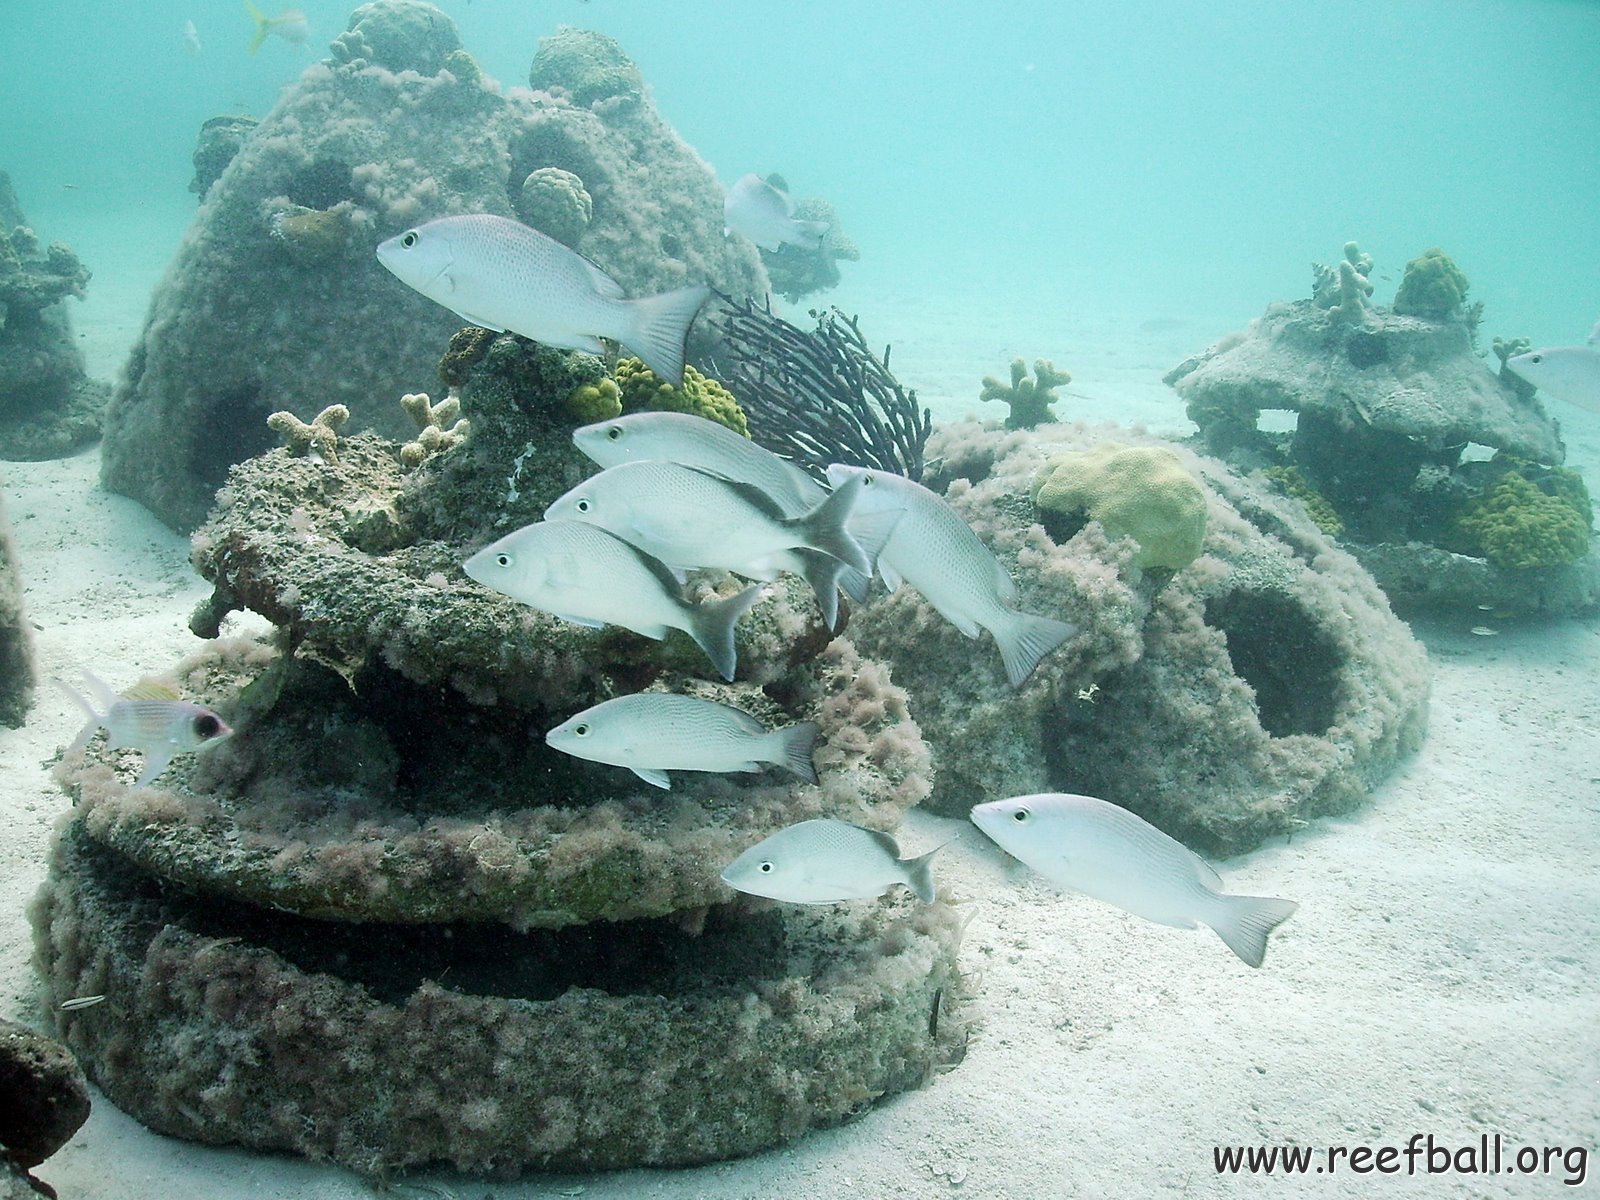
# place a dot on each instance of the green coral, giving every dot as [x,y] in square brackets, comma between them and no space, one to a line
[699,395]
[1433,287]
[1291,483]
[1029,399]
[1519,525]
[1142,492]
[598,401]
[556,203]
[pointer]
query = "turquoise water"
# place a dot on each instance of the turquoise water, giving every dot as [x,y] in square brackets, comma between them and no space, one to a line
[1138,160]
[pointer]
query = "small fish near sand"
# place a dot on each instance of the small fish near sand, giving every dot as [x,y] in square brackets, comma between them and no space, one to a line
[824,861]
[936,552]
[653,732]
[290,25]
[585,575]
[501,275]
[763,212]
[1569,373]
[149,718]
[1104,851]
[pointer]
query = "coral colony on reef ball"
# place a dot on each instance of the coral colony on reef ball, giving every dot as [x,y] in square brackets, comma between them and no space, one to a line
[418,901]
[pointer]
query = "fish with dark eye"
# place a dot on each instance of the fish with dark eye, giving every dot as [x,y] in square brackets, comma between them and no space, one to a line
[653,732]
[824,861]
[1102,850]
[501,275]
[763,212]
[1569,373]
[149,718]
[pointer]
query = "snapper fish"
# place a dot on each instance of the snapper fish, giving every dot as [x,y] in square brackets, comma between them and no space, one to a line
[149,718]
[825,861]
[653,732]
[936,552]
[583,574]
[1105,851]
[763,212]
[1569,373]
[501,275]
[693,441]
[691,519]
[290,25]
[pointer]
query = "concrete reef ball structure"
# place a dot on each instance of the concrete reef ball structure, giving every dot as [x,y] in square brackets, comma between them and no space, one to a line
[276,301]
[385,924]
[1263,683]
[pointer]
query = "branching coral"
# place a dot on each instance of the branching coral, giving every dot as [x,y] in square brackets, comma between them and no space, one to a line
[1142,492]
[1345,290]
[319,439]
[1028,399]
[1509,348]
[441,427]
[704,397]
[821,397]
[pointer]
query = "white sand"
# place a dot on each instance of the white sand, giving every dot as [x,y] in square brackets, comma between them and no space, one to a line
[1442,975]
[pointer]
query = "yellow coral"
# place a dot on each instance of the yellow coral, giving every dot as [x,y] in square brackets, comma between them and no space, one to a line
[699,395]
[1142,492]
[599,401]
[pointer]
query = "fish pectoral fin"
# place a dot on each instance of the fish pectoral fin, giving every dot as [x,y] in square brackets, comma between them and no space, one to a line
[604,285]
[650,775]
[586,622]
[751,766]
[481,323]
[155,762]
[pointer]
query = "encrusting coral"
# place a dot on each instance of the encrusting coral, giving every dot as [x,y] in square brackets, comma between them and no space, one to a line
[1029,400]
[1141,492]
[641,390]
[16,636]
[318,439]
[1519,526]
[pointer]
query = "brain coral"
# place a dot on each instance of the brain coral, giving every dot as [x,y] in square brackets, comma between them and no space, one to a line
[699,395]
[1142,492]
[555,202]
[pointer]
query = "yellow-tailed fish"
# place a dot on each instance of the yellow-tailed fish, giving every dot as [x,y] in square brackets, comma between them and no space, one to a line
[149,718]
[290,25]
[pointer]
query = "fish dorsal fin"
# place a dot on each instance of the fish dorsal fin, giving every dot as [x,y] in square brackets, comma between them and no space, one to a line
[607,287]
[1208,875]
[150,690]
[778,186]
[886,841]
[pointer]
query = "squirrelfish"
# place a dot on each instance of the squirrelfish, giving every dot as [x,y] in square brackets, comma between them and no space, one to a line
[653,732]
[149,718]
[936,552]
[1570,373]
[501,275]
[290,25]
[824,861]
[583,574]
[764,213]
[1104,851]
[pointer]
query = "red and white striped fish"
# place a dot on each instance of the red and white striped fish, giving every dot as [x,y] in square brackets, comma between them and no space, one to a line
[150,718]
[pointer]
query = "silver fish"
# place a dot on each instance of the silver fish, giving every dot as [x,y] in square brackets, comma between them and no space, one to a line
[825,861]
[149,718]
[693,441]
[80,1002]
[653,732]
[936,552]
[290,25]
[1103,850]
[764,213]
[689,518]
[1569,373]
[501,275]
[585,575]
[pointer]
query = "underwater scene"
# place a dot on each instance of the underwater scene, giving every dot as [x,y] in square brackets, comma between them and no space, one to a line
[725,602]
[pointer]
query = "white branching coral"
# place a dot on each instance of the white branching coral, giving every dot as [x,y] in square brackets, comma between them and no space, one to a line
[319,439]
[441,427]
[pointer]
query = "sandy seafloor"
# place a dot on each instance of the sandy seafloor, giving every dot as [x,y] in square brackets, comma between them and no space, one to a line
[1441,977]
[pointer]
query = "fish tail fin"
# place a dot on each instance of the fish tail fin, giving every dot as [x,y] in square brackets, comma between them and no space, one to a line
[96,719]
[793,746]
[659,327]
[1024,639]
[711,625]
[872,529]
[823,528]
[1243,922]
[824,573]
[919,875]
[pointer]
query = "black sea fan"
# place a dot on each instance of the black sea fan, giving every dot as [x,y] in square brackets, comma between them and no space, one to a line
[820,397]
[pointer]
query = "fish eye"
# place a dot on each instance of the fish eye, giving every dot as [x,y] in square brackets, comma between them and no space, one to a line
[580,731]
[583,506]
[502,560]
[1020,816]
[614,433]
[1537,358]
[206,725]
[409,239]
[766,867]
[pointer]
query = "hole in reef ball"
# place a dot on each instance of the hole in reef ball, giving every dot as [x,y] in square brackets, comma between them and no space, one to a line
[1291,663]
